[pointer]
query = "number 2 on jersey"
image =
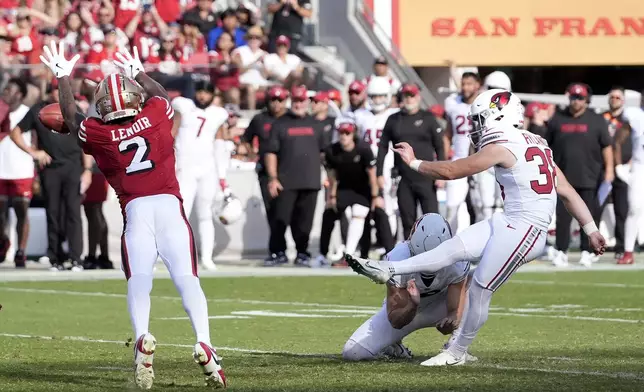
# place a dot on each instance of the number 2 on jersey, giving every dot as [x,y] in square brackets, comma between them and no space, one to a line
[139,163]
[546,167]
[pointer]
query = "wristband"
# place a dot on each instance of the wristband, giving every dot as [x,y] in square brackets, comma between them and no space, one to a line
[590,228]
[415,164]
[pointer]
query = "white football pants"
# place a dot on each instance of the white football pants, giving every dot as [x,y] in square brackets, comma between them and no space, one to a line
[199,186]
[635,207]
[456,193]
[487,188]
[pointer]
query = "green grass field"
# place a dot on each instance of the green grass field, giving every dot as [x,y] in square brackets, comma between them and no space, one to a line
[567,331]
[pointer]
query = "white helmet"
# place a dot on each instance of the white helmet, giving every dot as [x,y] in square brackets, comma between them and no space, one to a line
[429,231]
[493,108]
[498,79]
[379,86]
[231,211]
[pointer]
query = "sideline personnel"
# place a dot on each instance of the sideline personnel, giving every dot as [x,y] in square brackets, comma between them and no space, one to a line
[420,129]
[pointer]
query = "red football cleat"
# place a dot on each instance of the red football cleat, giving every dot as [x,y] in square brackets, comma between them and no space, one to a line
[626,259]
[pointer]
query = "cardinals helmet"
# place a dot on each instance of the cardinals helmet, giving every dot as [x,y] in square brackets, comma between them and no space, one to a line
[231,211]
[493,108]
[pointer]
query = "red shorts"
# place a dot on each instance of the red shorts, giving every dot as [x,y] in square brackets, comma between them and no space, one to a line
[97,191]
[17,188]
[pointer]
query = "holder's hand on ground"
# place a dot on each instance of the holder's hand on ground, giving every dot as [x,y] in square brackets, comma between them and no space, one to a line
[54,59]
[129,64]
[447,325]
[597,243]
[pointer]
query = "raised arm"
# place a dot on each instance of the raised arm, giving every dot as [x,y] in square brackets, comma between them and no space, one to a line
[68,107]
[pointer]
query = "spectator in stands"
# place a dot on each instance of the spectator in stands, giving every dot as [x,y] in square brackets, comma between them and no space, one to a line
[282,66]
[168,57]
[293,162]
[245,17]
[420,129]
[98,31]
[65,170]
[191,40]
[615,118]
[381,68]
[103,54]
[249,59]
[288,20]
[50,17]
[73,34]
[225,72]
[229,24]
[320,111]
[145,30]
[16,170]
[582,148]
[201,16]
[258,132]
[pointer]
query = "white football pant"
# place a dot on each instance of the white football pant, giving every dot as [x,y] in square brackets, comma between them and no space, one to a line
[487,188]
[635,207]
[199,186]
[456,193]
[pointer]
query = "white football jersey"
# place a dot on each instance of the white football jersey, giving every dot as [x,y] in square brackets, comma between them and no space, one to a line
[194,144]
[529,188]
[635,117]
[15,163]
[429,284]
[458,113]
[370,126]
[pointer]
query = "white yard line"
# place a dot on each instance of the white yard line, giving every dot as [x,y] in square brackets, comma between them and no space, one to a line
[583,318]
[577,284]
[618,375]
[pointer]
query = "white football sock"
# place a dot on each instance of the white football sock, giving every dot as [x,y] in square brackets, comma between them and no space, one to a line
[206,227]
[475,316]
[356,227]
[195,305]
[452,218]
[138,303]
[630,232]
[447,253]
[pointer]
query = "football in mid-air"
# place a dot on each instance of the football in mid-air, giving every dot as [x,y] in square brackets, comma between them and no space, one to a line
[52,118]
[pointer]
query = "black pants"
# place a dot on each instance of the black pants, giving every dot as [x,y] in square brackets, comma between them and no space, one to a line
[294,208]
[266,196]
[96,229]
[620,205]
[409,195]
[61,190]
[589,196]
[383,232]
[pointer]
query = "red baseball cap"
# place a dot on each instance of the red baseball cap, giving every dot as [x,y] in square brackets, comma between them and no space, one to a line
[283,40]
[437,110]
[299,93]
[277,92]
[410,89]
[356,87]
[321,96]
[334,95]
[347,127]
[578,89]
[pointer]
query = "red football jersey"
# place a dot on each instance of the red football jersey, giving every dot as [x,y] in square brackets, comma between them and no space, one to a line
[137,157]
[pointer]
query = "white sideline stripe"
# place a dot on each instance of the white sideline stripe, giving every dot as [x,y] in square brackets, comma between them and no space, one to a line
[584,318]
[619,375]
[222,317]
[219,300]
[586,284]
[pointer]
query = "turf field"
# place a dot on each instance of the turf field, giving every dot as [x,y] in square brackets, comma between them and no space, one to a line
[564,331]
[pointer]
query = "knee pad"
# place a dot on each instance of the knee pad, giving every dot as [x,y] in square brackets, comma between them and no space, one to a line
[359,211]
[353,351]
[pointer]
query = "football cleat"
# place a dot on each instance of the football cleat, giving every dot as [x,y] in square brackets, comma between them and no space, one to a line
[143,357]
[560,260]
[626,259]
[210,363]
[445,358]
[379,272]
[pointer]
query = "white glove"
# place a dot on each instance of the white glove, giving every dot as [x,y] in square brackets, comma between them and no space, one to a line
[131,66]
[623,172]
[54,59]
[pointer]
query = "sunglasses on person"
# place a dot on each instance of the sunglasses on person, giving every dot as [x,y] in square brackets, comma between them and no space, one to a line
[577,97]
[346,132]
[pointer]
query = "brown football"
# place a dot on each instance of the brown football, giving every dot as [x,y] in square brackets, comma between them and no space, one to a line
[52,118]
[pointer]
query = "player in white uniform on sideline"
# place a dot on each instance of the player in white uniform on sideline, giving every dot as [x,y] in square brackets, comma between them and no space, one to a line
[370,123]
[414,301]
[530,182]
[457,108]
[634,178]
[200,148]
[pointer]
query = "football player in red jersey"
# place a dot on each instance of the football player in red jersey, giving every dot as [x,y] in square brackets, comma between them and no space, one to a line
[133,145]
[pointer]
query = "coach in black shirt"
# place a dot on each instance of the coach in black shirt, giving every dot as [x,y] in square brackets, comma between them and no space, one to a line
[63,168]
[420,129]
[293,162]
[582,148]
[260,128]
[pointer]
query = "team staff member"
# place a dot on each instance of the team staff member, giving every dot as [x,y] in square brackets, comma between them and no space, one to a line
[293,160]
[351,168]
[260,128]
[616,120]
[420,129]
[65,171]
[582,148]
